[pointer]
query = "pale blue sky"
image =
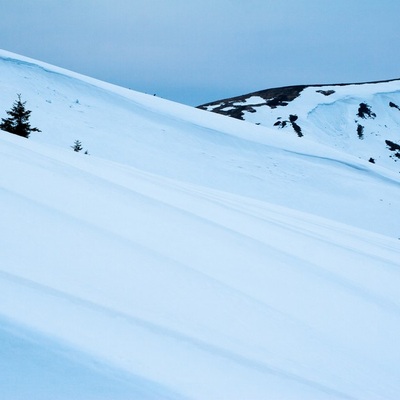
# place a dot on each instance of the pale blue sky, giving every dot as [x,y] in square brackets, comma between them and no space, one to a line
[196,51]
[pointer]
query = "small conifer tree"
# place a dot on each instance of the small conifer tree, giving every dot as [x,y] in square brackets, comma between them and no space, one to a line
[18,121]
[77,146]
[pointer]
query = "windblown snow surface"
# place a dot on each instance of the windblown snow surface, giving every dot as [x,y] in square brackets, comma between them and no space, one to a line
[189,255]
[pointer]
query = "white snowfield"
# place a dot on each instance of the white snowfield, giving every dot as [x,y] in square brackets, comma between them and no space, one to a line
[189,256]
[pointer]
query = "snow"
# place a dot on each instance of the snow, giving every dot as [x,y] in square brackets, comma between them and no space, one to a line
[253,100]
[34,367]
[189,255]
[332,119]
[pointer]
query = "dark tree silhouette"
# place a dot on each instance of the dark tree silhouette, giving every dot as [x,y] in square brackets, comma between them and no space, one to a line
[18,121]
[77,146]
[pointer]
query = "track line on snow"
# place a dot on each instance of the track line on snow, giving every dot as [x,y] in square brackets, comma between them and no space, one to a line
[173,335]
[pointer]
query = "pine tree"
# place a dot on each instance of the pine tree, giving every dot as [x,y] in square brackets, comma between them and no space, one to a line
[77,146]
[18,122]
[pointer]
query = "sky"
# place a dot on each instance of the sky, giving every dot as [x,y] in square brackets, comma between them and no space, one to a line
[197,51]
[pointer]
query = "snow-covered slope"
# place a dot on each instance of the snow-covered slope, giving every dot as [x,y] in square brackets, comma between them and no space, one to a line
[360,119]
[198,147]
[189,255]
[204,293]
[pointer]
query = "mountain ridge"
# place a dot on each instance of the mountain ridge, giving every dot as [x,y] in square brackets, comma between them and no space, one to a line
[334,115]
[294,90]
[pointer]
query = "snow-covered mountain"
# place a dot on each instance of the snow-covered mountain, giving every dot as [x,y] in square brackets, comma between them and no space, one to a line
[189,255]
[360,119]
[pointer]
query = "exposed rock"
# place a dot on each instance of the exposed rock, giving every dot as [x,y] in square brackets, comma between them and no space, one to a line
[365,111]
[325,92]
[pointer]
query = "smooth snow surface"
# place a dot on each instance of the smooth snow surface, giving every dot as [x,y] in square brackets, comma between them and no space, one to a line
[189,255]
